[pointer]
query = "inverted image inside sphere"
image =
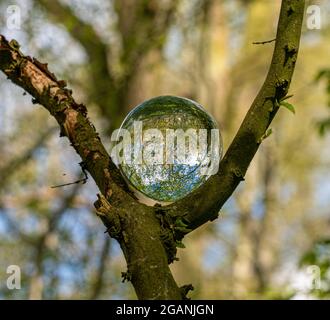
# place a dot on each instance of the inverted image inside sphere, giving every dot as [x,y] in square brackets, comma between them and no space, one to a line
[177,120]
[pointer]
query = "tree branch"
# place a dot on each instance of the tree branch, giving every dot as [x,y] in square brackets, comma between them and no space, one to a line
[264,42]
[144,233]
[35,78]
[133,224]
[205,203]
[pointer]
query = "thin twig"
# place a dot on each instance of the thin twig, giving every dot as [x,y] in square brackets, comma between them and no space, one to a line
[83,180]
[264,42]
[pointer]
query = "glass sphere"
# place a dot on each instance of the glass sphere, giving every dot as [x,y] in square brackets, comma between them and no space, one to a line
[167,147]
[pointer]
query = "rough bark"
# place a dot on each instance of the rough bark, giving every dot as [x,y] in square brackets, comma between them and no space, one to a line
[134,225]
[148,235]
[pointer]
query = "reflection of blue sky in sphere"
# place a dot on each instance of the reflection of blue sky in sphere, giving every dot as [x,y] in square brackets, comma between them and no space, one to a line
[169,181]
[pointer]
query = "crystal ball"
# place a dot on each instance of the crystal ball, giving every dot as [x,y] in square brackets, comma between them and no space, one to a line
[167,147]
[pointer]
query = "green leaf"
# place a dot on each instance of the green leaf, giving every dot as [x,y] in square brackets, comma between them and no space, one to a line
[179,244]
[182,229]
[268,132]
[180,223]
[287,97]
[288,105]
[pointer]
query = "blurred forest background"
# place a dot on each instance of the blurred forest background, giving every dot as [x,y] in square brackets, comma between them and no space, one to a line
[117,53]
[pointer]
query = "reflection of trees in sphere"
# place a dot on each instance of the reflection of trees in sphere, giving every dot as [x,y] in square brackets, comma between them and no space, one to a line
[163,180]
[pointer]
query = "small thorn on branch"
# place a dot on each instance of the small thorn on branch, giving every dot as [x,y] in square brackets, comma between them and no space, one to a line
[264,42]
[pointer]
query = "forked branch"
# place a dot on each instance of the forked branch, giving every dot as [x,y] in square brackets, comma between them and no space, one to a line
[147,245]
